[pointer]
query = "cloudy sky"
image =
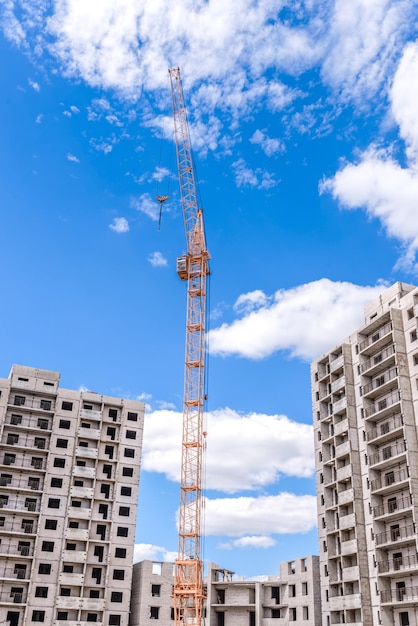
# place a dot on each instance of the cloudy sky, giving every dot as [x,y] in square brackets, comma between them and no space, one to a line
[304,126]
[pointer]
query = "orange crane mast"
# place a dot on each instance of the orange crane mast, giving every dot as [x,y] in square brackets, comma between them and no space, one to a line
[192,267]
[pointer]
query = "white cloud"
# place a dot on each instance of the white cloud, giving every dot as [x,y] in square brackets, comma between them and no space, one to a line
[268,144]
[160,173]
[119,225]
[39,118]
[73,158]
[66,113]
[144,397]
[247,177]
[378,183]
[403,97]
[364,39]
[105,146]
[112,45]
[150,552]
[157,259]
[305,320]
[265,446]
[147,205]
[249,301]
[252,541]
[278,514]
[74,109]
[34,85]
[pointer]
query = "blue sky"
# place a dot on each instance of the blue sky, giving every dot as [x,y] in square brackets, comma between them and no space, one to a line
[305,133]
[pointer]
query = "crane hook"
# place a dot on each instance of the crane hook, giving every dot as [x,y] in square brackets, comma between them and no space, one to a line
[161,200]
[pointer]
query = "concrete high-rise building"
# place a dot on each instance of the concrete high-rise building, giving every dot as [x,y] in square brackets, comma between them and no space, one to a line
[291,598]
[365,408]
[69,473]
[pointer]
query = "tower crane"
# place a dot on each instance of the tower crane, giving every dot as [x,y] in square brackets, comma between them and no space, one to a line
[192,267]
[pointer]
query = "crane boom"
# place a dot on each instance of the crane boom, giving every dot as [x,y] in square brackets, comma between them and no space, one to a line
[192,267]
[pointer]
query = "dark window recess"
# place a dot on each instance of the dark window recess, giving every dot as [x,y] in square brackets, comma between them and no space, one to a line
[43,424]
[12,439]
[9,459]
[113,414]
[122,531]
[78,483]
[54,503]
[40,443]
[125,491]
[119,574]
[94,593]
[62,443]
[109,451]
[62,615]
[275,594]
[156,591]
[70,546]
[15,419]
[59,462]
[73,524]
[120,553]
[154,612]
[41,592]
[85,425]
[131,434]
[67,406]
[46,405]
[38,616]
[101,530]
[51,524]
[114,620]
[65,424]
[65,591]
[111,432]
[105,489]
[44,568]
[116,596]
[92,617]
[80,463]
[99,551]
[19,401]
[83,444]
[107,469]
[96,573]
[5,479]
[128,471]
[47,546]
[404,618]
[88,407]
[124,511]
[129,452]
[76,503]
[37,462]
[68,569]
[103,510]
[133,417]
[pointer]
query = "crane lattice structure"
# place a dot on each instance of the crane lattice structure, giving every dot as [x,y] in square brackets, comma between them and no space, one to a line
[192,267]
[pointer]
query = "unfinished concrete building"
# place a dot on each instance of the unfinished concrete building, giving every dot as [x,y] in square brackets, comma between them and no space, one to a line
[69,473]
[365,407]
[291,598]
